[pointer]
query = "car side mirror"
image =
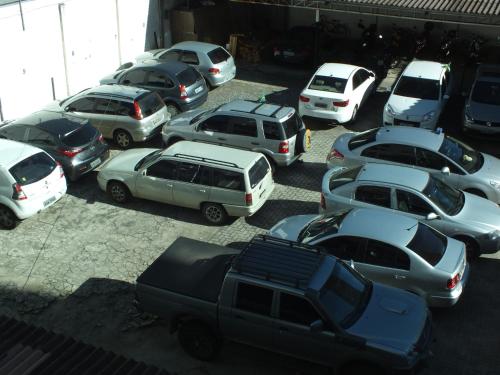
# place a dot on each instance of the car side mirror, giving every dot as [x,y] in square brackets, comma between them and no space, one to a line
[432,216]
[446,171]
[316,326]
[68,109]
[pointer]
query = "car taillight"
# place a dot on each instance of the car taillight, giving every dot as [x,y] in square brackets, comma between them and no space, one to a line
[214,70]
[100,139]
[303,98]
[61,170]
[183,92]
[283,147]
[453,281]
[71,152]
[18,193]
[345,103]
[334,154]
[248,199]
[322,203]
[137,111]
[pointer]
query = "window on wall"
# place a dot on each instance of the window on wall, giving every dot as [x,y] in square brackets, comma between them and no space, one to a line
[254,299]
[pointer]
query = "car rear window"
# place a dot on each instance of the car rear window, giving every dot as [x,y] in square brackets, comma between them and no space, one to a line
[258,171]
[487,93]
[330,84]
[362,139]
[188,77]
[218,55]
[292,125]
[344,177]
[80,136]
[421,88]
[429,244]
[150,103]
[33,168]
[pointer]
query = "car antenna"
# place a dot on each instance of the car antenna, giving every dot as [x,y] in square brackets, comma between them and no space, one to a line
[413,226]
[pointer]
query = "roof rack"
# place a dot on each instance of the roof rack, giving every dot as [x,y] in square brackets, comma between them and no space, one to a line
[200,158]
[257,107]
[282,261]
[276,111]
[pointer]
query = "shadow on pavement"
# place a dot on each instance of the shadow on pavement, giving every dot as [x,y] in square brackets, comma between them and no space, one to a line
[275,210]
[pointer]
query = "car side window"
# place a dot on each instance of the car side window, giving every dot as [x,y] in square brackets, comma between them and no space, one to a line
[297,310]
[14,132]
[40,137]
[380,196]
[157,79]
[186,172]
[172,55]
[243,126]
[119,108]
[385,255]
[272,130]
[356,80]
[409,202]
[136,76]
[344,247]
[190,57]
[228,179]
[392,152]
[203,177]
[103,106]
[364,75]
[429,159]
[217,124]
[165,169]
[253,298]
[85,105]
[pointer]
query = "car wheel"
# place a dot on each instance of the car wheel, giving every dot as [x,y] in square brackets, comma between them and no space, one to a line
[7,218]
[214,213]
[471,247]
[198,341]
[173,110]
[477,192]
[354,114]
[122,139]
[118,192]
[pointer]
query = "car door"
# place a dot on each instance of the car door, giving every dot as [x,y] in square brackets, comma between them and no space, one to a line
[294,337]
[155,182]
[105,115]
[134,77]
[432,162]
[161,83]
[242,132]
[227,187]
[191,185]
[214,129]
[347,248]
[118,114]
[366,195]
[85,108]
[389,152]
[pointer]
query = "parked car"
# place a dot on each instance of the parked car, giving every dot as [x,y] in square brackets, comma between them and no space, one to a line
[213,61]
[296,46]
[287,298]
[73,142]
[219,181]
[419,194]
[30,181]
[388,248]
[179,85]
[482,108]
[419,95]
[276,131]
[462,167]
[121,113]
[336,92]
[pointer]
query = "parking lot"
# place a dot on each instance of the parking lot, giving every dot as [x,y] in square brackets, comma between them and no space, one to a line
[72,268]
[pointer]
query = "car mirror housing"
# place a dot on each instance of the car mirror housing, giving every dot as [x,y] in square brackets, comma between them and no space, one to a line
[316,326]
[432,216]
[445,170]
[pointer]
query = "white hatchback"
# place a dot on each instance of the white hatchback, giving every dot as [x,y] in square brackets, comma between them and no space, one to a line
[30,181]
[336,92]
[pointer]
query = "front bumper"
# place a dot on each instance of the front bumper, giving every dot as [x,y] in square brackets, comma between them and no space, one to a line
[400,120]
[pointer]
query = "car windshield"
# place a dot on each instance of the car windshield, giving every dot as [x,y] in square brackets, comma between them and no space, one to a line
[421,88]
[363,138]
[429,244]
[150,103]
[148,158]
[465,156]
[33,168]
[324,224]
[448,199]
[218,55]
[330,84]
[486,92]
[345,295]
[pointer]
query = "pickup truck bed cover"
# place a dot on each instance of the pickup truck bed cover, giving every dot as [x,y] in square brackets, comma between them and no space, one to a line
[192,268]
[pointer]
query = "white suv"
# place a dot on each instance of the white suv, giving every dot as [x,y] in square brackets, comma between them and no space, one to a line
[419,96]
[30,181]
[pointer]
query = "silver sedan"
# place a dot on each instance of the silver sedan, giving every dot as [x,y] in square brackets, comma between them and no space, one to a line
[387,247]
[419,194]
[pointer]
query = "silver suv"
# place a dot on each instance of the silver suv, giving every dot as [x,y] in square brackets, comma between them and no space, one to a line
[122,113]
[276,131]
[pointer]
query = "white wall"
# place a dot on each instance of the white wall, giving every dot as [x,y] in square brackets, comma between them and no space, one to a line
[99,35]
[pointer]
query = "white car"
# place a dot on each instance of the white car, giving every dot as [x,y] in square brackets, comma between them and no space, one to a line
[336,92]
[419,95]
[30,181]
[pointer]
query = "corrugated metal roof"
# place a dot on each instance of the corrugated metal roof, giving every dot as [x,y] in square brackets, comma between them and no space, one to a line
[30,350]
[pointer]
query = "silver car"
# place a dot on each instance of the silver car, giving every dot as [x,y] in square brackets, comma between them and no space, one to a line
[213,61]
[462,167]
[387,247]
[419,194]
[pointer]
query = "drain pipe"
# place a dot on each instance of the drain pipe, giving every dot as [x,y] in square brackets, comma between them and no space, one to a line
[61,24]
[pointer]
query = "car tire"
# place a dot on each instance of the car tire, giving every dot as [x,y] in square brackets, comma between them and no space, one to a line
[477,192]
[8,219]
[471,248]
[354,114]
[199,341]
[303,141]
[118,191]
[214,213]
[122,139]
[173,110]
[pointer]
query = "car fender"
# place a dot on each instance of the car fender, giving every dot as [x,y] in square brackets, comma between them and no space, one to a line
[4,201]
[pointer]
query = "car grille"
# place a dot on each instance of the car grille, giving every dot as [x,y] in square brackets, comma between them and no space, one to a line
[406,123]
[485,123]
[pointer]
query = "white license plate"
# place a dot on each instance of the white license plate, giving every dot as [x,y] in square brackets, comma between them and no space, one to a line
[198,89]
[95,163]
[320,105]
[49,201]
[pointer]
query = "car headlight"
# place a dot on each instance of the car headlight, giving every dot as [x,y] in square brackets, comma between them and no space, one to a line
[388,109]
[429,116]
[494,235]
[495,184]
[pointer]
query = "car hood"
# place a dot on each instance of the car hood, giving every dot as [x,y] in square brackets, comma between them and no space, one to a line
[127,160]
[484,112]
[490,169]
[290,227]
[412,106]
[393,318]
[479,213]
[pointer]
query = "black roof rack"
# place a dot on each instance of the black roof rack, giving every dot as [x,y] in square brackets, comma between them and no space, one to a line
[276,111]
[286,262]
[257,107]
[214,161]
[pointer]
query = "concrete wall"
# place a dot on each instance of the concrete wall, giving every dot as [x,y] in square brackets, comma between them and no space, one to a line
[90,37]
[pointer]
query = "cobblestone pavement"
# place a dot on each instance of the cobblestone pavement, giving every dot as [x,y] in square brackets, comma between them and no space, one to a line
[72,267]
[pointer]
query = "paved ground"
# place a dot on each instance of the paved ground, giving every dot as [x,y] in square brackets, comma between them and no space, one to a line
[72,267]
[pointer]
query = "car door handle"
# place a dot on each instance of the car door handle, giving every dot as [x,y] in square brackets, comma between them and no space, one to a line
[221,139]
[255,143]
[399,277]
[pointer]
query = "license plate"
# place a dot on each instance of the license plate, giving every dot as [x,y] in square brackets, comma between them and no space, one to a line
[49,201]
[320,105]
[95,163]
[198,89]
[402,123]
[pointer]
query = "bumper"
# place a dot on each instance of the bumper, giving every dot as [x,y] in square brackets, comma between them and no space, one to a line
[29,208]
[141,135]
[248,210]
[74,172]
[194,103]
[454,296]
[324,114]
[220,79]
[284,160]
[399,121]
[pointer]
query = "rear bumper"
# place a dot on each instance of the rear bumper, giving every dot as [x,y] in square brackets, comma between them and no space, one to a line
[75,171]
[454,296]
[28,208]
[324,114]
[220,79]
[196,102]
[284,160]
